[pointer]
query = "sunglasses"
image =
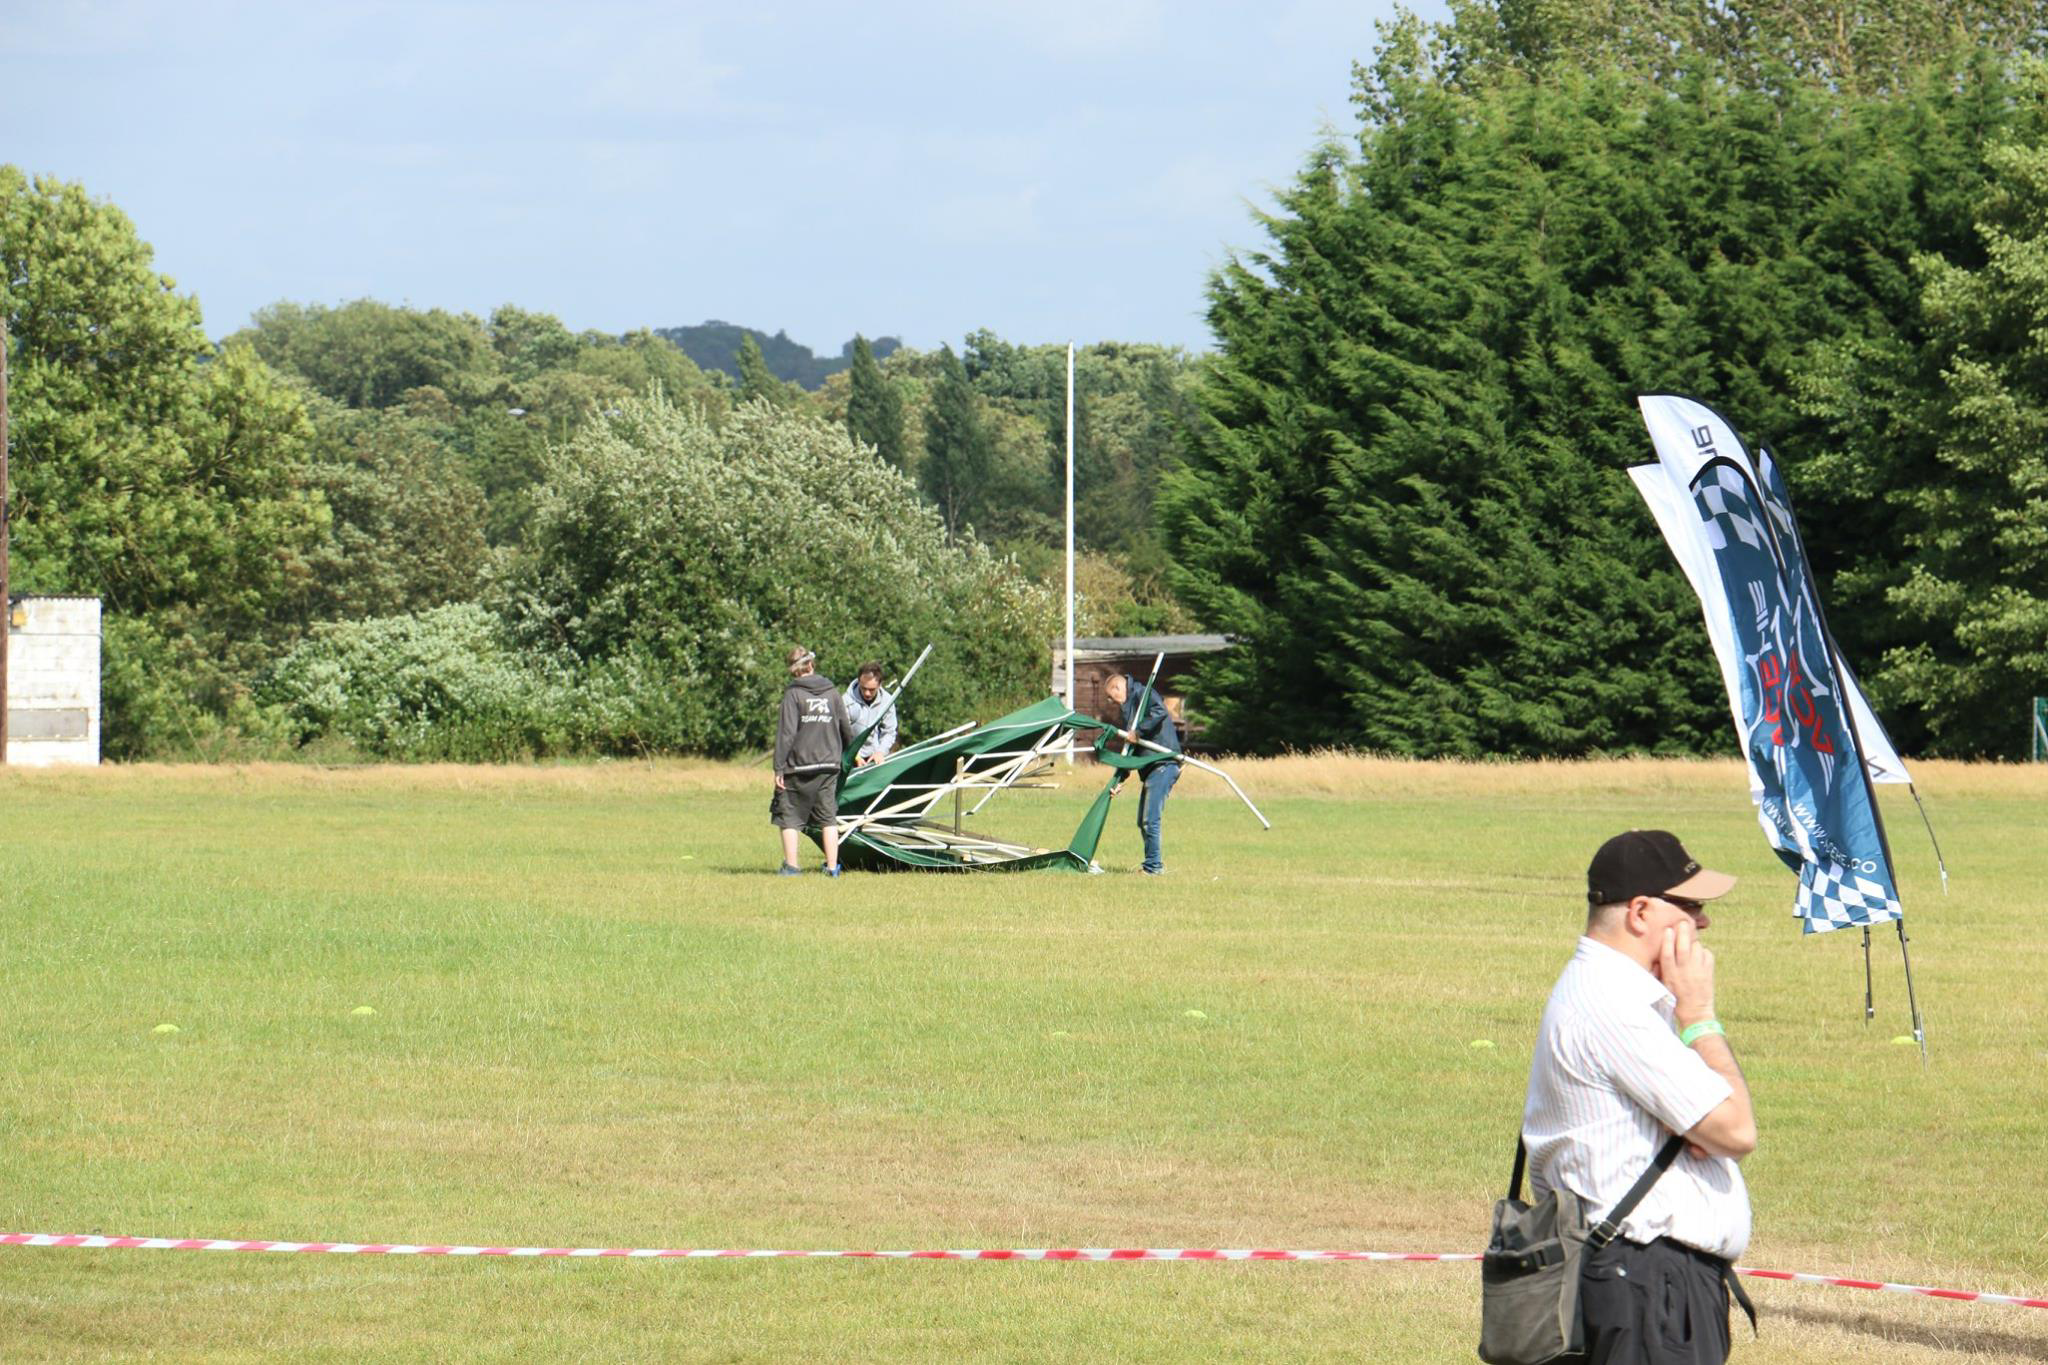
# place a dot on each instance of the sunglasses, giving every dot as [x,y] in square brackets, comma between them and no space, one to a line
[1690,907]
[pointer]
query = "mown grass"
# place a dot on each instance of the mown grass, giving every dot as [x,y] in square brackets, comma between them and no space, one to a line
[599,1022]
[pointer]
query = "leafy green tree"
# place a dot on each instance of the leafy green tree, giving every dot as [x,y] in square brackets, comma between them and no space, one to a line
[1128,405]
[368,354]
[641,360]
[147,468]
[529,343]
[675,561]
[408,527]
[1852,47]
[957,450]
[874,411]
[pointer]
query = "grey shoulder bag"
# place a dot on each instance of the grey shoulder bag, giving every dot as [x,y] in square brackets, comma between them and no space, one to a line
[1529,1277]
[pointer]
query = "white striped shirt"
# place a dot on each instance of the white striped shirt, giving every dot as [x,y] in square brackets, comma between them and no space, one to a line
[1608,1084]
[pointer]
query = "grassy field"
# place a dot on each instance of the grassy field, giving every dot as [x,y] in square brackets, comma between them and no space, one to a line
[598,1021]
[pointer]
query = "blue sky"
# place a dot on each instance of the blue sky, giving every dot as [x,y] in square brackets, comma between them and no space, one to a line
[1064,169]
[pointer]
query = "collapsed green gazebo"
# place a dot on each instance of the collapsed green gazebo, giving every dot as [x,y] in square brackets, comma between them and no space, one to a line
[887,808]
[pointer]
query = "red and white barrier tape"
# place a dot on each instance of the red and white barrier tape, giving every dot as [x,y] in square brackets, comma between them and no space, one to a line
[1966,1295]
[36,1239]
[33,1239]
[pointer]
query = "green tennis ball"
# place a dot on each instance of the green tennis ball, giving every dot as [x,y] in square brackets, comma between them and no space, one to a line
[362,1009]
[1193,1014]
[1482,1042]
[165,1028]
[1903,1040]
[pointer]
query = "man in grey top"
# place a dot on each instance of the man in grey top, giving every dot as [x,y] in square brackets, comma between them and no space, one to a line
[1629,1053]
[868,705]
[809,739]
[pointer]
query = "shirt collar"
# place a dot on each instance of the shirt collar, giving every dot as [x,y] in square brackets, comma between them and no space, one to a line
[1623,972]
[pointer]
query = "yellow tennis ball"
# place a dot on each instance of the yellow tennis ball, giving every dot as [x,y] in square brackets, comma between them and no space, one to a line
[165,1028]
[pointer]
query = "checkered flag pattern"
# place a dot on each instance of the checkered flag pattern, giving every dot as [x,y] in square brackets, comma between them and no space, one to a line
[1833,897]
[1724,499]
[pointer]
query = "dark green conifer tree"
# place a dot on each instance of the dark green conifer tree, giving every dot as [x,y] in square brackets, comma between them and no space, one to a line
[874,410]
[756,379]
[1405,491]
[958,451]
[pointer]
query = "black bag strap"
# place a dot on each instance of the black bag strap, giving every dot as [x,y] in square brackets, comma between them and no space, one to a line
[1608,1228]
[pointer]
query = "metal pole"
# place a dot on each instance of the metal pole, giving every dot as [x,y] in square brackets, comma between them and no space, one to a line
[1912,1002]
[1070,542]
[895,694]
[1210,768]
[1939,861]
[6,599]
[1869,1010]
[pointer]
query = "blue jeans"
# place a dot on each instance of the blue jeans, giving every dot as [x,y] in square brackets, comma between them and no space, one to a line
[1159,780]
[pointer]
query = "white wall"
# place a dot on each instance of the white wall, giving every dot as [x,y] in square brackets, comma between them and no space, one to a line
[53,681]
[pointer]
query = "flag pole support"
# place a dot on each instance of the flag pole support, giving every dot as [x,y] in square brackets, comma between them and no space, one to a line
[1939,861]
[1869,1010]
[1912,1001]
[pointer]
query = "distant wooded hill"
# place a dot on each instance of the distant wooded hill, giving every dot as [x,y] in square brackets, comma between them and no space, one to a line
[715,345]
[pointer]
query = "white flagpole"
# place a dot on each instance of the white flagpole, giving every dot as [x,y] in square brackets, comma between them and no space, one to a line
[1070,543]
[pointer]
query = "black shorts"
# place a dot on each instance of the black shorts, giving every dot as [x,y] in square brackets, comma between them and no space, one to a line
[806,799]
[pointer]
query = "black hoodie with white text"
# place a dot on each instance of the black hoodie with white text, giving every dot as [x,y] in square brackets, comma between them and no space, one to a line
[814,730]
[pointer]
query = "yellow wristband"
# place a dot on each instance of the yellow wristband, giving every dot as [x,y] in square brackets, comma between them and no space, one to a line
[1702,1029]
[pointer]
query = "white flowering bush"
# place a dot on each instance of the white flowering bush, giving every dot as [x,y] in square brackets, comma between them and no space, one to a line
[437,684]
[673,563]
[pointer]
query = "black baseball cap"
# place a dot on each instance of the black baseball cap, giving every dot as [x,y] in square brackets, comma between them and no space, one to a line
[1650,862]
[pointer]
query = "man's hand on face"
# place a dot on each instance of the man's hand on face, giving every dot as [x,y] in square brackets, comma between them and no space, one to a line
[1686,967]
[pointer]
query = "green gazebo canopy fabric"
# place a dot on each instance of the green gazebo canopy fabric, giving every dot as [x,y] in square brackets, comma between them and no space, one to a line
[885,808]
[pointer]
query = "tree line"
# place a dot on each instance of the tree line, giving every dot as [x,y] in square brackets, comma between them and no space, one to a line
[1398,480]
[370,530]
[1405,490]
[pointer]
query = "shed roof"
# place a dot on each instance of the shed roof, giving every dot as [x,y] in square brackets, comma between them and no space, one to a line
[1150,644]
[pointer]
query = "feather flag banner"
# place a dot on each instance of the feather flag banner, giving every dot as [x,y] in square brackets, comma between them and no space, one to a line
[1812,745]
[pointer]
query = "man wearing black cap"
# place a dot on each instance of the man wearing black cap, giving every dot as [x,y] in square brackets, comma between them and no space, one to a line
[1629,1053]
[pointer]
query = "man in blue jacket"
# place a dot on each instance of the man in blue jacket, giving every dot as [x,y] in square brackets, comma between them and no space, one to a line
[1154,727]
[867,705]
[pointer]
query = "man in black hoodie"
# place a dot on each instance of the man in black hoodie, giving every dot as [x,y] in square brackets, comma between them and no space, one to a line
[809,741]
